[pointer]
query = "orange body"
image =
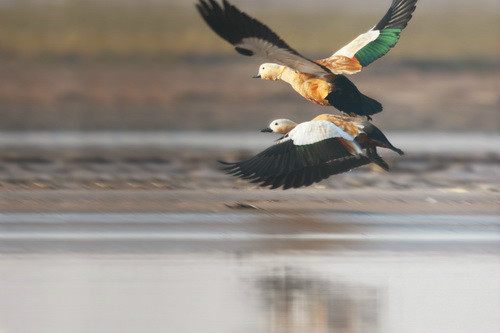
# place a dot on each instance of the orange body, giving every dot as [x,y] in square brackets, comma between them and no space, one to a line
[314,88]
[308,85]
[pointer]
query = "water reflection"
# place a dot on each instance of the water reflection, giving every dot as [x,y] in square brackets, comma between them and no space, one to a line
[271,292]
[79,274]
[298,301]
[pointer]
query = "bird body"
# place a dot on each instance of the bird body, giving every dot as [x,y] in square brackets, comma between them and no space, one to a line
[310,86]
[367,135]
[327,89]
[313,150]
[321,81]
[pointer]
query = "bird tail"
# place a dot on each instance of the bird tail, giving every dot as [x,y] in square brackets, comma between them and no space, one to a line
[369,106]
[379,138]
[347,98]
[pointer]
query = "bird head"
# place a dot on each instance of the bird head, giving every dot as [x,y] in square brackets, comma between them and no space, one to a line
[269,71]
[280,126]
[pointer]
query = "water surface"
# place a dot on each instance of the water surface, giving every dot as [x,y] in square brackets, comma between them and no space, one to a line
[246,272]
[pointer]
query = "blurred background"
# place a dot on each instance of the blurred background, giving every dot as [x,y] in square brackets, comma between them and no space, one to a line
[116,217]
[155,65]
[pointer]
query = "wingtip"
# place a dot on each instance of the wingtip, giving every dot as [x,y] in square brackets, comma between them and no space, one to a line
[228,167]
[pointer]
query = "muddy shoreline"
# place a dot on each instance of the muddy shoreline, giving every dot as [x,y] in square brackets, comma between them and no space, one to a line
[440,173]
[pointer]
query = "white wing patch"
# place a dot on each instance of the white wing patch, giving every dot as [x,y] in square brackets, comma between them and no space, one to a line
[273,53]
[311,132]
[357,44]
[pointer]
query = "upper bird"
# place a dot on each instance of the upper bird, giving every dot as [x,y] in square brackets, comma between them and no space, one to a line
[320,81]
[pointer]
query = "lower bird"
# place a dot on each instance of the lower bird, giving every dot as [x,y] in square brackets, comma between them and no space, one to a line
[312,151]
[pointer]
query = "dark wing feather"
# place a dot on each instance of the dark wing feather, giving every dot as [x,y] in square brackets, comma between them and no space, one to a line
[375,43]
[389,27]
[398,15]
[285,157]
[251,37]
[312,174]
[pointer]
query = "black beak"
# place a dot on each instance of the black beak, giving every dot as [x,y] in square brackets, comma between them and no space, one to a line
[266,130]
[256,76]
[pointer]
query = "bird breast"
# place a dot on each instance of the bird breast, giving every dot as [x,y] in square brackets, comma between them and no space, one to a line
[310,86]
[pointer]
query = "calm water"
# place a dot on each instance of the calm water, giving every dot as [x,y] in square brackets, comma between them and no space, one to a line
[249,273]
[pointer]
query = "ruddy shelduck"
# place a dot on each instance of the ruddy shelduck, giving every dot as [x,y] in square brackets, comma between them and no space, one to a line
[312,151]
[320,81]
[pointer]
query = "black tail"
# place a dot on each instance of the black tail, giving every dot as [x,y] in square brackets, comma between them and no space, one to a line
[369,106]
[347,98]
[376,135]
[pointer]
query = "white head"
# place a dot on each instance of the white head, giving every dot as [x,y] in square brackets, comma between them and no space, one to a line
[269,71]
[280,126]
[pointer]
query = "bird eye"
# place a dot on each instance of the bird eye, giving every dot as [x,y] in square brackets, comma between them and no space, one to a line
[276,124]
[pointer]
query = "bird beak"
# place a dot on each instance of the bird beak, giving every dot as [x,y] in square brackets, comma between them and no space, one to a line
[256,76]
[266,130]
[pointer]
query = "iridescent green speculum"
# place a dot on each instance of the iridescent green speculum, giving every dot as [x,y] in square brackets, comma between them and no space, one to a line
[377,48]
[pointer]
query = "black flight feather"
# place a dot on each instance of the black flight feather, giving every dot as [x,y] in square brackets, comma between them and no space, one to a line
[233,25]
[270,162]
[398,15]
[313,174]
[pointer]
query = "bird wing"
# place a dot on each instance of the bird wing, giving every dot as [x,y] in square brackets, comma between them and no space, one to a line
[309,145]
[251,37]
[312,174]
[368,47]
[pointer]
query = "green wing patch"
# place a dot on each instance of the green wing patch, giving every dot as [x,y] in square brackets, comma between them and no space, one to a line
[378,47]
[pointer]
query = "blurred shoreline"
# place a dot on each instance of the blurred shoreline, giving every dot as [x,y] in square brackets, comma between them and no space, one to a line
[223,96]
[179,172]
[154,65]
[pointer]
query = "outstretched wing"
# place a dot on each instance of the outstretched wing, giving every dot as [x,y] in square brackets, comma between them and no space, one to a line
[251,37]
[313,174]
[370,46]
[309,145]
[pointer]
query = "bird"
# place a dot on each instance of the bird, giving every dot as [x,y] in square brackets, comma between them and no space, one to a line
[320,81]
[312,151]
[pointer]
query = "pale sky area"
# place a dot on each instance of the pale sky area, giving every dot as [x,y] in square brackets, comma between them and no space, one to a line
[355,5]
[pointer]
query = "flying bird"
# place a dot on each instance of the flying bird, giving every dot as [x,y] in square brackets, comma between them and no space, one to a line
[320,81]
[312,151]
